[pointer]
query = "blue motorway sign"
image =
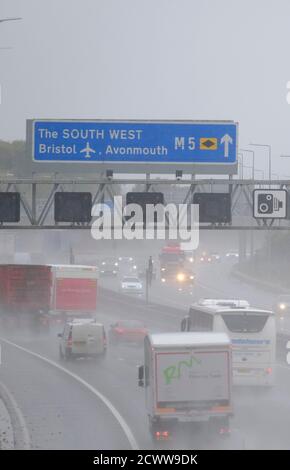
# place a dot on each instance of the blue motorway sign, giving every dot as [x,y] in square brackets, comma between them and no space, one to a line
[184,142]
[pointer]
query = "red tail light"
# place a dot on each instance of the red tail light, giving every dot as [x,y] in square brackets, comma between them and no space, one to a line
[119,330]
[69,340]
[269,370]
[162,435]
[224,431]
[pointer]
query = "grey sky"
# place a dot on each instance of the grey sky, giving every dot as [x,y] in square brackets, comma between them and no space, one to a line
[150,59]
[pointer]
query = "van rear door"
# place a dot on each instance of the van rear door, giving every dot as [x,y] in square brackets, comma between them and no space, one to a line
[88,339]
[197,379]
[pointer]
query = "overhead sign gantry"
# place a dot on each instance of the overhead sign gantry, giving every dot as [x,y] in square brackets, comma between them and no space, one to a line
[56,202]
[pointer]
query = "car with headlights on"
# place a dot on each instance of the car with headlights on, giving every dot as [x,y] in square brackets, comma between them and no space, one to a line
[127,266]
[109,267]
[181,278]
[131,285]
[282,305]
[282,310]
[232,255]
[205,258]
[215,257]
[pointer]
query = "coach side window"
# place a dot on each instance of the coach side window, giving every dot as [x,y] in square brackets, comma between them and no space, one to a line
[200,321]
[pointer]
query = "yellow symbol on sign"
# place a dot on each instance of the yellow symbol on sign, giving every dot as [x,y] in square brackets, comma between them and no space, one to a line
[208,143]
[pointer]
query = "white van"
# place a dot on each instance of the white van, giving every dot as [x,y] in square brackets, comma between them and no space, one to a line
[82,337]
[187,378]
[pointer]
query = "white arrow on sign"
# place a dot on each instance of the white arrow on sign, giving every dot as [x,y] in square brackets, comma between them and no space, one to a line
[226,139]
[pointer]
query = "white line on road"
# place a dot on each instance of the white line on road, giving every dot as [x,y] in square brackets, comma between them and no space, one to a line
[143,307]
[283,366]
[210,288]
[133,443]
[18,424]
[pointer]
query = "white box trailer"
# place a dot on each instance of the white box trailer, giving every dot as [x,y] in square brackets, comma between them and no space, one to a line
[187,378]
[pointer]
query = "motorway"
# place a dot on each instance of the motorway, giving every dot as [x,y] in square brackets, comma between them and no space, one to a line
[89,404]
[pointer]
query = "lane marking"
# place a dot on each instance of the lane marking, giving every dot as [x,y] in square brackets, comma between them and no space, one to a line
[180,305]
[282,366]
[209,288]
[20,431]
[125,427]
[146,308]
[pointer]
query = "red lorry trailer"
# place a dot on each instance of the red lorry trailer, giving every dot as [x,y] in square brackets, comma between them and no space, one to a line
[25,293]
[38,295]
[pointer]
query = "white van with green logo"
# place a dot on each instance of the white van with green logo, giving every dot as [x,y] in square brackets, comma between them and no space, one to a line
[187,378]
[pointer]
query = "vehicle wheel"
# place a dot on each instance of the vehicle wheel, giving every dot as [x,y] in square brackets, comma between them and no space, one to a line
[112,339]
[220,426]
[264,390]
[67,355]
[153,428]
[100,356]
[61,356]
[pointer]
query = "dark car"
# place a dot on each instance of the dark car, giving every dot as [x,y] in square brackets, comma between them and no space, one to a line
[232,255]
[109,267]
[205,258]
[215,257]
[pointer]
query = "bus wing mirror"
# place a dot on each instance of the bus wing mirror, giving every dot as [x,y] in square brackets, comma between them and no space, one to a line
[183,325]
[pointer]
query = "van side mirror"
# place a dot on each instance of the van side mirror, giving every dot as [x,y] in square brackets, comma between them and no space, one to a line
[141,376]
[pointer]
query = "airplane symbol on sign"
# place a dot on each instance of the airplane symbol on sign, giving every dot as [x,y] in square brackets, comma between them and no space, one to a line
[88,150]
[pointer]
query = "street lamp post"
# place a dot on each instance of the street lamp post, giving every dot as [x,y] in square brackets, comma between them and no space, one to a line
[261,172]
[241,160]
[285,156]
[276,175]
[270,156]
[253,155]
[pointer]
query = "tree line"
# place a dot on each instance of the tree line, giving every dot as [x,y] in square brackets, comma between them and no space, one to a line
[10,154]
